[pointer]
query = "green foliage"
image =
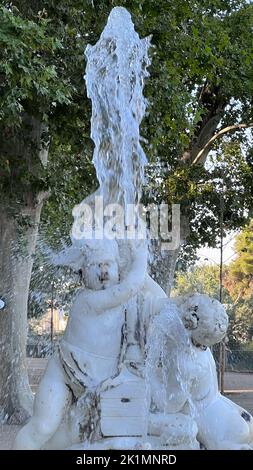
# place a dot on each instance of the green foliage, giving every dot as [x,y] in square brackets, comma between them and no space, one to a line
[224,187]
[71,178]
[205,280]
[29,76]
[241,321]
[42,67]
[239,283]
[239,274]
[50,285]
[201,68]
[202,279]
[202,48]
[201,72]
[244,247]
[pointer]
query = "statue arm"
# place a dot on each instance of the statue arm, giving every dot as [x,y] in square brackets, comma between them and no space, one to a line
[116,295]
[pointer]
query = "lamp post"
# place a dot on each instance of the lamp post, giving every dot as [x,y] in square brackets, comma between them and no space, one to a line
[222,343]
[52,316]
[221,371]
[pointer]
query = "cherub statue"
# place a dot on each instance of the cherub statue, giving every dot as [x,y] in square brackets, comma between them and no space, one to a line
[186,402]
[90,350]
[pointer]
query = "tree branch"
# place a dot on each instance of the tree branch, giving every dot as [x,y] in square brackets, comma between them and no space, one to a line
[216,136]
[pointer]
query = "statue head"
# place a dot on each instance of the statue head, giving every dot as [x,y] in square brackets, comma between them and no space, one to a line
[205,319]
[100,265]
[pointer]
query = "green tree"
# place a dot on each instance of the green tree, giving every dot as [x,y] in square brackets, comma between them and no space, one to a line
[41,103]
[239,274]
[238,280]
[203,95]
[203,279]
[241,322]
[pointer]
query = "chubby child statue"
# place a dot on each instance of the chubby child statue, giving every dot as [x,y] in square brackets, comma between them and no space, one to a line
[90,350]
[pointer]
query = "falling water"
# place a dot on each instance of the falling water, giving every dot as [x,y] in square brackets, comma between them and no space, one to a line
[116,69]
[115,73]
[168,342]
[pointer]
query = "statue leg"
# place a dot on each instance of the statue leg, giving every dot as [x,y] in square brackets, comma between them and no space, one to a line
[50,404]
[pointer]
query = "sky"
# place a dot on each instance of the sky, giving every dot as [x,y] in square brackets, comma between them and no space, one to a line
[208,255]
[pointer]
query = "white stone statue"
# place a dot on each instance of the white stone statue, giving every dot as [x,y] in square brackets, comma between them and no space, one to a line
[90,350]
[89,372]
[186,403]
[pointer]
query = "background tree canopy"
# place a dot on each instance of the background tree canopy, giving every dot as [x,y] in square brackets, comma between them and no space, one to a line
[201,77]
[239,274]
[237,287]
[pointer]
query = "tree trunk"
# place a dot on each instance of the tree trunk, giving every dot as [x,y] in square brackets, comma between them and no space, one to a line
[18,232]
[163,266]
[163,263]
[17,246]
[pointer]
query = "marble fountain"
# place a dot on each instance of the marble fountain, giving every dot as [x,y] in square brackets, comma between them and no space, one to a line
[134,369]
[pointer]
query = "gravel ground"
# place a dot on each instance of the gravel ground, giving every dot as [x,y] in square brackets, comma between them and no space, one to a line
[238,381]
